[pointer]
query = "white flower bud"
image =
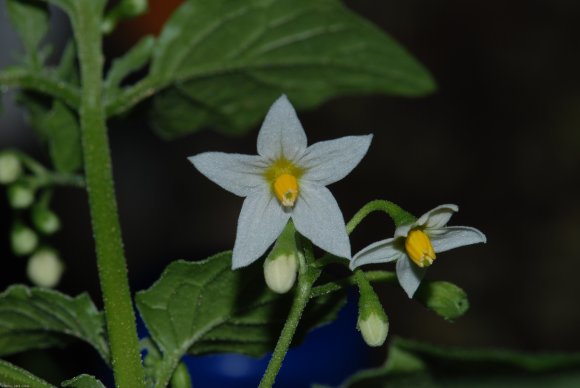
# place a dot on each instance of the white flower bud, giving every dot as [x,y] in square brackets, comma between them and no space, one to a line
[280,272]
[10,167]
[374,329]
[20,196]
[23,240]
[45,268]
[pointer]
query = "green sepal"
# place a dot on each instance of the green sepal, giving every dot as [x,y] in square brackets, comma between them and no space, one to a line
[286,244]
[444,298]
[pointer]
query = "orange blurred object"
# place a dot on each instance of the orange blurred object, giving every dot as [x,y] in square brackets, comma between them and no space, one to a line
[130,31]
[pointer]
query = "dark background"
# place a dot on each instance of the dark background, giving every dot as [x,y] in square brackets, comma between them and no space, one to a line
[500,137]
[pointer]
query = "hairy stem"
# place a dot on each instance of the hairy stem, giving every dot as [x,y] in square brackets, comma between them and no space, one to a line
[398,215]
[306,277]
[337,285]
[42,83]
[114,282]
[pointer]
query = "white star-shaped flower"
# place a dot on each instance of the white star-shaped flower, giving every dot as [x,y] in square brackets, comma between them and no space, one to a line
[414,245]
[286,180]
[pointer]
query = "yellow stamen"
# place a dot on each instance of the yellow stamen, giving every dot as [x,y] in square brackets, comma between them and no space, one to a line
[286,189]
[419,248]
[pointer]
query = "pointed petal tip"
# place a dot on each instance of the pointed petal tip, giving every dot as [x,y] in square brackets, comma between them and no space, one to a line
[353,264]
[192,159]
[282,100]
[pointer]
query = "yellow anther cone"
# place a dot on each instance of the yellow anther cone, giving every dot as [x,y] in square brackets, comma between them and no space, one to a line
[286,189]
[419,248]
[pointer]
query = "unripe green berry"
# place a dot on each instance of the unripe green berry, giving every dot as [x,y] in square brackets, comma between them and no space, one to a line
[20,196]
[45,220]
[23,240]
[45,268]
[10,167]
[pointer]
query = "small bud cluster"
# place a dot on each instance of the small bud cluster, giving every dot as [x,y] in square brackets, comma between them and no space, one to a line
[33,218]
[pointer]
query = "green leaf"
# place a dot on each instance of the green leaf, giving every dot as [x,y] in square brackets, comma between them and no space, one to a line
[13,376]
[412,363]
[229,60]
[134,60]
[67,70]
[33,318]
[205,307]
[64,138]
[56,125]
[37,108]
[83,381]
[444,298]
[30,18]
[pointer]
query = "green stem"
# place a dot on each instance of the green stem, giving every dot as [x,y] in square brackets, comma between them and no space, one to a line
[119,313]
[306,277]
[337,285]
[399,216]
[40,82]
[51,178]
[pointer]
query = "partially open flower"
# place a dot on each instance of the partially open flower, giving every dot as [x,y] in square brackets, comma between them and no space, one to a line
[286,180]
[414,246]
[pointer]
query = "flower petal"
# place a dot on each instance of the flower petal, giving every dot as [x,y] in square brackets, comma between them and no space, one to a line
[403,230]
[456,236]
[409,275]
[261,221]
[237,173]
[317,216]
[281,133]
[438,217]
[383,251]
[329,161]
